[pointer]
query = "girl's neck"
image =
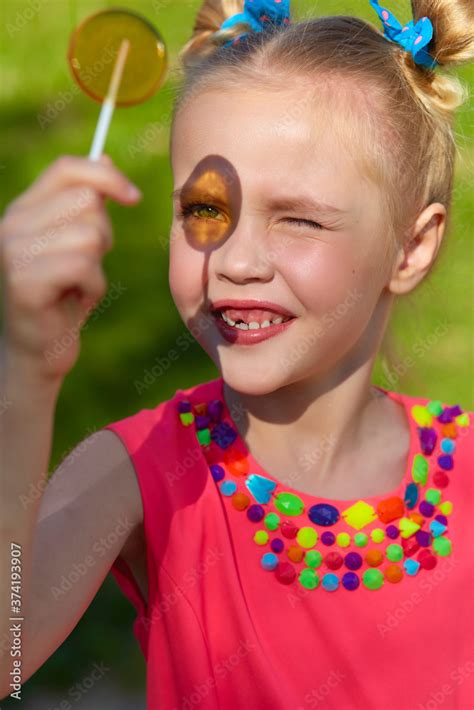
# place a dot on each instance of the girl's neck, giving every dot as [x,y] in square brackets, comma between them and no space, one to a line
[340,441]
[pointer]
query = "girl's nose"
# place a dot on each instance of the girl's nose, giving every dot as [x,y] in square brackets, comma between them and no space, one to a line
[245,254]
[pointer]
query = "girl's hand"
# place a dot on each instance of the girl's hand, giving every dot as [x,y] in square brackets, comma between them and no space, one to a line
[52,240]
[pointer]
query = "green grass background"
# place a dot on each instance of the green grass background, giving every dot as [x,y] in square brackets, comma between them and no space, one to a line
[126,338]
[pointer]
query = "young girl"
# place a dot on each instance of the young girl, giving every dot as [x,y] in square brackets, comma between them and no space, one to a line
[290,535]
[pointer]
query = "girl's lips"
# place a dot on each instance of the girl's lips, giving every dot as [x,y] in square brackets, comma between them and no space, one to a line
[250,337]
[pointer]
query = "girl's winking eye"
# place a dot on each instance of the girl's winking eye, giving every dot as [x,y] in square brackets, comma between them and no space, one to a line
[304,222]
[191,208]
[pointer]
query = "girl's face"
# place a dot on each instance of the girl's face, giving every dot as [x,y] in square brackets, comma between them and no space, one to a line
[251,160]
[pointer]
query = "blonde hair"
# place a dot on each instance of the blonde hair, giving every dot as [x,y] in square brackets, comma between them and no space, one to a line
[404,136]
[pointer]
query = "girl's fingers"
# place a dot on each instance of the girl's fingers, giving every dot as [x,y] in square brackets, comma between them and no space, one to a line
[81,238]
[55,275]
[61,210]
[106,159]
[71,170]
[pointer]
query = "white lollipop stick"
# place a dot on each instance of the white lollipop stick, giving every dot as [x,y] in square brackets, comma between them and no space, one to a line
[108,106]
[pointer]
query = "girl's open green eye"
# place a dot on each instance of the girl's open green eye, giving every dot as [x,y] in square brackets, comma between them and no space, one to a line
[193,209]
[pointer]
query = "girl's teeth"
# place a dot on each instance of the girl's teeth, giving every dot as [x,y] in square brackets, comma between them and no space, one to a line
[253,325]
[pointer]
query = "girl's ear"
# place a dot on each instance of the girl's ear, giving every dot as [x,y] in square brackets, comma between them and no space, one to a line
[416,257]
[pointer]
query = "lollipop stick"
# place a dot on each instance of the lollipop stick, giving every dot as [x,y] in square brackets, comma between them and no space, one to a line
[109,103]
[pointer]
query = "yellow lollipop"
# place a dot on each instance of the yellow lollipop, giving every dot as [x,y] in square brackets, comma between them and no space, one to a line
[119,59]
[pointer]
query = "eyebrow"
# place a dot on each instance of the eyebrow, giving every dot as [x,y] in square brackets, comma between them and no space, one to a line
[288,203]
[205,193]
[304,203]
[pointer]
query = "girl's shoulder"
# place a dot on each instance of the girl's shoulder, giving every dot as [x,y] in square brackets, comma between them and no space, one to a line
[448,426]
[430,411]
[149,423]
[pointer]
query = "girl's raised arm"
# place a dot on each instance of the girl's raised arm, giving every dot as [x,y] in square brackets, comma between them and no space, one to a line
[52,240]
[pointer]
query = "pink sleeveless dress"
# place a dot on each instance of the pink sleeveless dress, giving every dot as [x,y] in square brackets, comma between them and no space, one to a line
[261,596]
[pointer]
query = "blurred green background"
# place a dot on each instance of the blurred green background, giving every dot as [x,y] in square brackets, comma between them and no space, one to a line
[44,115]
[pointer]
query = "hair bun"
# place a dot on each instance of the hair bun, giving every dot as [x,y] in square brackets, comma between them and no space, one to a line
[453,24]
[207,35]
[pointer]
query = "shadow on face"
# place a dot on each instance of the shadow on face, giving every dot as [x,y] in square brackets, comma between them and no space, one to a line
[214,180]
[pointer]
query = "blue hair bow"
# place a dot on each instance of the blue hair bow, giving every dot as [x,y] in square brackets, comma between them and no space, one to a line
[413,38]
[259,14]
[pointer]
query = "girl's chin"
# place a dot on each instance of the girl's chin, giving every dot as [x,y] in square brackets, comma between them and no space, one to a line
[251,380]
